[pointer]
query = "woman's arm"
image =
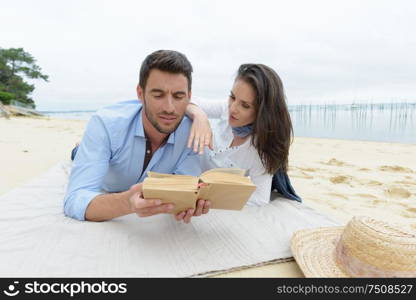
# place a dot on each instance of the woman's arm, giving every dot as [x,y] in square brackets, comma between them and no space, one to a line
[212,108]
[199,110]
[261,195]
[201,132]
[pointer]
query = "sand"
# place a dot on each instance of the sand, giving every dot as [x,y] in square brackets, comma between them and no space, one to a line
[29,147]
[341,178]
[345,178]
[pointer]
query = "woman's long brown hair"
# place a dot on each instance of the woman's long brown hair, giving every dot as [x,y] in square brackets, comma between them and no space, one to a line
[272,130]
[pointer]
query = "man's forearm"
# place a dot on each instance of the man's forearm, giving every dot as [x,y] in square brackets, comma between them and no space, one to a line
[108,206]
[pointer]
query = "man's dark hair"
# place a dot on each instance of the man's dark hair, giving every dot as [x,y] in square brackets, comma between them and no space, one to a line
[167,61]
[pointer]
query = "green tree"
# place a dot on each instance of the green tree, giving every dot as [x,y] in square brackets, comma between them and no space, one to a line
[6,97]
[15,64]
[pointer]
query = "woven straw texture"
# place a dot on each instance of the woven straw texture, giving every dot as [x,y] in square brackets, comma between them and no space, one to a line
[365,247]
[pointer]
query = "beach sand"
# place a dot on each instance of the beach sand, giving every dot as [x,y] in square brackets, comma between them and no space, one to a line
[341,178]
[30,146]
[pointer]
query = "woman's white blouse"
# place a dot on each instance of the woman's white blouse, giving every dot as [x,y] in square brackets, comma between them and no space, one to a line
[244,156]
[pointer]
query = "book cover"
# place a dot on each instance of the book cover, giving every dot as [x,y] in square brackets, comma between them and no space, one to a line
[225,188]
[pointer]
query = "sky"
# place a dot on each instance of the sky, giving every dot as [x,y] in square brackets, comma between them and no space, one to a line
[324,51]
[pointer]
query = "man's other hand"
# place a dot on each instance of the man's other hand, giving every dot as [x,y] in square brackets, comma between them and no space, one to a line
[202,207]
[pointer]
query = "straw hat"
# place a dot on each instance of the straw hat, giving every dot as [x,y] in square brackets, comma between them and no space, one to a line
[365,247]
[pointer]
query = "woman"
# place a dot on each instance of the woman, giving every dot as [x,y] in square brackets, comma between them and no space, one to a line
[254,131]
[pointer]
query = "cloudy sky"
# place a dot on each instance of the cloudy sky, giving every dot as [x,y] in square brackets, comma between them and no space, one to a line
[324,51]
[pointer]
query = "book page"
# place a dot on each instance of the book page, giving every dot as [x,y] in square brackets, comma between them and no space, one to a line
[172,183]
[214,177]
[236,171]
[163,175]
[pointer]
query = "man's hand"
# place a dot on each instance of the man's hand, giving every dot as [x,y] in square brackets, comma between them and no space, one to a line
[146,207]
[202,207]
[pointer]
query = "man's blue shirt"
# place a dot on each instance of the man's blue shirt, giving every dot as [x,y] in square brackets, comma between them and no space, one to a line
[111,154]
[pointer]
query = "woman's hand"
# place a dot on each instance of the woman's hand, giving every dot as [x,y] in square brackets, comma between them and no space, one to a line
[201,133]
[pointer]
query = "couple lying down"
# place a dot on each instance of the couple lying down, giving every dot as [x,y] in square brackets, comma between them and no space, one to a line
[167,132]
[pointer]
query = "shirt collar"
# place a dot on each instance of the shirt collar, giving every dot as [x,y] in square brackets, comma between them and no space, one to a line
[139,130]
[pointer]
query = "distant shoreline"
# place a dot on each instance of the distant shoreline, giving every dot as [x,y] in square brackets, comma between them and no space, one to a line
[315,105]
[381,122]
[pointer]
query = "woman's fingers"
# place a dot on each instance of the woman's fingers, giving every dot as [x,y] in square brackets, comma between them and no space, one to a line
[196,143]
[201,146]
[211,143]
[200,136]
[206,141]
[191,137]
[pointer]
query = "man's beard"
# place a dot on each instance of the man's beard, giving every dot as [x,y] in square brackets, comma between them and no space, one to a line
[156,125]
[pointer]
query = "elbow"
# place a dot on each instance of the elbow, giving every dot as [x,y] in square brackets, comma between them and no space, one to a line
[70,207]
[66,205]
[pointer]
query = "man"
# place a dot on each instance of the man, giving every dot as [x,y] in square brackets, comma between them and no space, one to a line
[124,141]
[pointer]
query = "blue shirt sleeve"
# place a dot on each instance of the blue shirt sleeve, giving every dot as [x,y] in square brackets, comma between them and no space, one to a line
[88,170]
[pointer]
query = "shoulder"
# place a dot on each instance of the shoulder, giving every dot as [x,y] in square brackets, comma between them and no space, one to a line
[118,116]
[186,123]
[120,111]
[182,131]
[117,119]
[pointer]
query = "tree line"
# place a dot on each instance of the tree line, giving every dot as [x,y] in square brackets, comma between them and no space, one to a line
[16,65]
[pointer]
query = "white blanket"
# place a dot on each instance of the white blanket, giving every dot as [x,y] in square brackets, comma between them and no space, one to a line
[37,240]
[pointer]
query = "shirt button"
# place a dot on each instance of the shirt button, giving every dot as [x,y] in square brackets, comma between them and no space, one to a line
[148,151]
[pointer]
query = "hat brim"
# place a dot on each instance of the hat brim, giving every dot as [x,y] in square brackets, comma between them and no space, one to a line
[314,251]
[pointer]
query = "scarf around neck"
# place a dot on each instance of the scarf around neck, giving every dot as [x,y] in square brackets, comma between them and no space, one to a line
[243,131]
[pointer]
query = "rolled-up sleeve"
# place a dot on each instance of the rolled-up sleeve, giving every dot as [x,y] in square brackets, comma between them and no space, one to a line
[88,170]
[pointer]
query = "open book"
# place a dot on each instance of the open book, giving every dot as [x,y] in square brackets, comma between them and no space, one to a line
[226,188]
